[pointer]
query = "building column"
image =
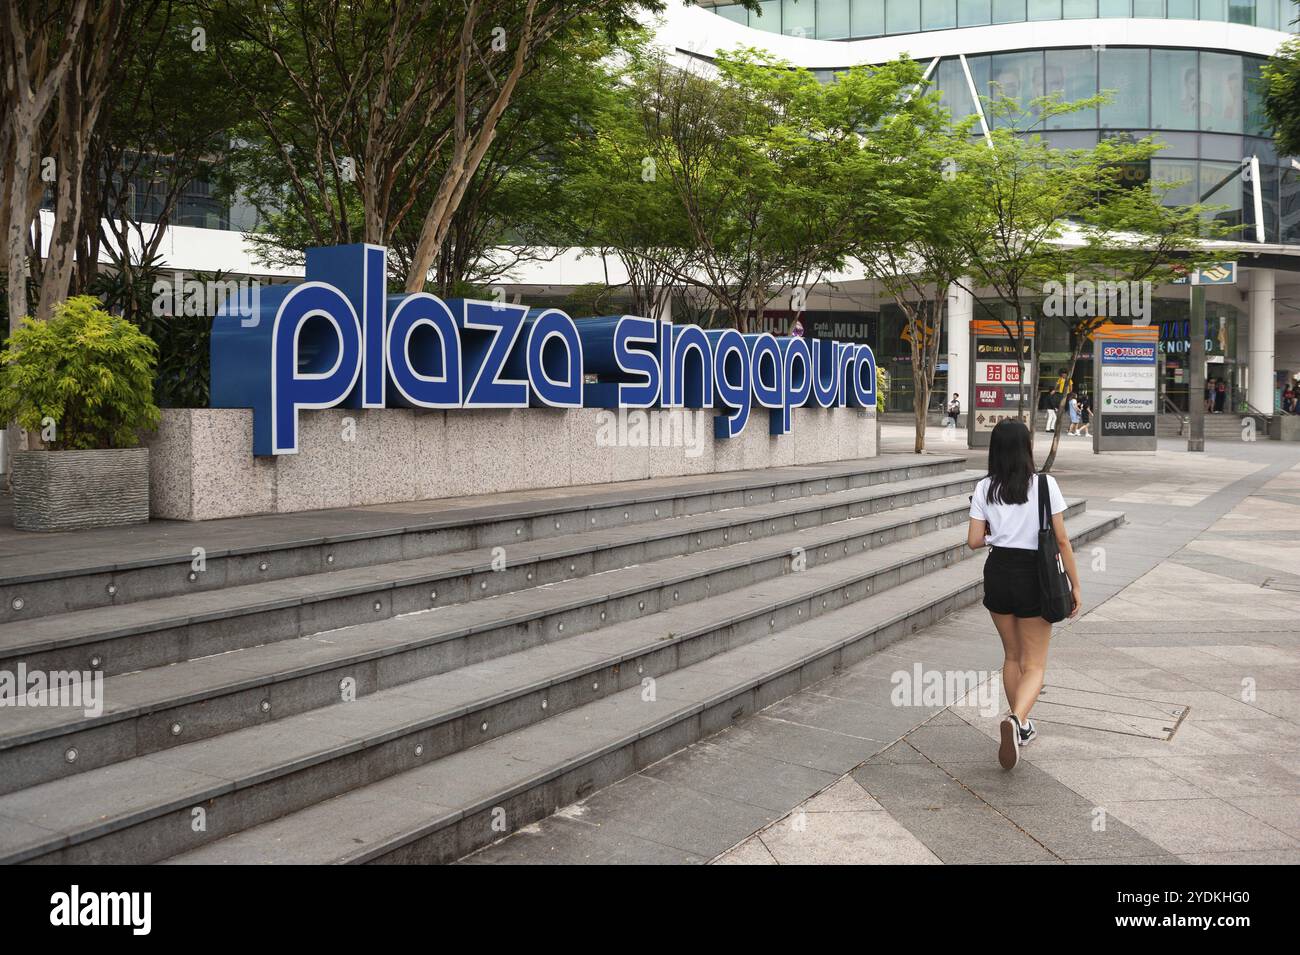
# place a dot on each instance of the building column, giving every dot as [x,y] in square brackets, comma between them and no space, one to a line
[1262,314]
[961,309]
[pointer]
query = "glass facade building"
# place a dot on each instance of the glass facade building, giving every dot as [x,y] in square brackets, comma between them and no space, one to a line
[863,19]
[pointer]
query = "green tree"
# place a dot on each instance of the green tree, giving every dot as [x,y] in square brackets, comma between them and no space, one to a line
[1281,77]
[906,196]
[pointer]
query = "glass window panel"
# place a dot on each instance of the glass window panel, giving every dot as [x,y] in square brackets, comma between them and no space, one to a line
[1115,8]
[1214,10]
[1017,77]
[974,13]
[1289,205]
[1008,11]
[1073,74]
[954,94]
[1228,195]
[1149,8]
[938,14]
[1124,73]
[1181,9]
[1256,121]
[979,74]
[832,19]
[1223,97]
[1044,9]
[767,16]
[1182,145]
[1227,148]
[902,16]
[1266,14]
[1084,139]
[868,17]
[734,12]
[1241,11]
[1175,103]
[798,17]
[1079,9]
[1180,176]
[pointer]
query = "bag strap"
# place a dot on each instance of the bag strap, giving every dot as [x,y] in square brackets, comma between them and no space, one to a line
[1044,504]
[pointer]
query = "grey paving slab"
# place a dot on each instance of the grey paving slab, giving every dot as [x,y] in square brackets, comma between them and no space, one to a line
[1234,777]
[750,852]
[740,775]
[1185,826]
[1103,781]
[672,815]
[914,786]
[1280,812]
[802,745]
[1081,831]
[1027,786]
[960,835]
[845,838]
[563,840]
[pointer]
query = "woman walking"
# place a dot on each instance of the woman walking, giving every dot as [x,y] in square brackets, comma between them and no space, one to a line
[1004,516]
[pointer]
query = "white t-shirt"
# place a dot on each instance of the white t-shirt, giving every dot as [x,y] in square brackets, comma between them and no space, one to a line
[1013,525]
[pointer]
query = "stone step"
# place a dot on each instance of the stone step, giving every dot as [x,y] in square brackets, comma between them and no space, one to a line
[150,807]
[456,805]
[157,560]
[154,633]
[156,709]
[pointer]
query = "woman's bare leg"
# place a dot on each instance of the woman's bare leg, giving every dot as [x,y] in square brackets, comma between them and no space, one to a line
[1032,635]
[1006,624]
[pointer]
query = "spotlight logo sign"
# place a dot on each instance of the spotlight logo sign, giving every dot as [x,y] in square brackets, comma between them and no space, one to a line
[339,340]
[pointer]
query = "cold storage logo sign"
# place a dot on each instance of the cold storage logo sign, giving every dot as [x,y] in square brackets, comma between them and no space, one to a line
[338,339]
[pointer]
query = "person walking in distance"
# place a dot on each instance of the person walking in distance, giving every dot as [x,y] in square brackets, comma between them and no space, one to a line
[1004,517]
[1220,395]
[1085,415]
[1073,407]
[953,411]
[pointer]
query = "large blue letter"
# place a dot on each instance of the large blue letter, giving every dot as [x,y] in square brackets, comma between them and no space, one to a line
[424,353]
[315,357]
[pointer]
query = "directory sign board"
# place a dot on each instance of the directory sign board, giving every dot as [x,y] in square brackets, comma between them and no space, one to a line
[996,380]
[1125,410]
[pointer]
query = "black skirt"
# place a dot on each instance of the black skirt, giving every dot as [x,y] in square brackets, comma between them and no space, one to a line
[1011,582]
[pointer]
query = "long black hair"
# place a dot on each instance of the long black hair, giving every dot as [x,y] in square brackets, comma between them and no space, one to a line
[1011,462]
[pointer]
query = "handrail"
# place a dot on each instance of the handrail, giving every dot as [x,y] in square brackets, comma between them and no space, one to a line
[1182,417]
[1251,409]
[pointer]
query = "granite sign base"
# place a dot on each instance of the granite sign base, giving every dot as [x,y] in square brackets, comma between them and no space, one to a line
[202,466]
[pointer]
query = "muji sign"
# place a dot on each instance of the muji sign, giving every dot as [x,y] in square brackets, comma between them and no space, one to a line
[338,339]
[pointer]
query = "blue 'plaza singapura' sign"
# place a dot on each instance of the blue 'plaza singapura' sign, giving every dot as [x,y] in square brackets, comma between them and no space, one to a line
[337,339]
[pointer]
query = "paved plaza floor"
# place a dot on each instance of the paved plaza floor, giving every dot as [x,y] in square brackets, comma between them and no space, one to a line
[1169,726]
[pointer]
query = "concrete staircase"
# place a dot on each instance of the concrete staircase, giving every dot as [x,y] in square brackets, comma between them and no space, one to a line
[1218,427]
[413,694]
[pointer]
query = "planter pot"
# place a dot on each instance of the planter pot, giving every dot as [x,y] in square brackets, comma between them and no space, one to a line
[69,490]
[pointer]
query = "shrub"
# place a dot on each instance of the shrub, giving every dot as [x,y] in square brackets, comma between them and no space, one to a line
[89,371]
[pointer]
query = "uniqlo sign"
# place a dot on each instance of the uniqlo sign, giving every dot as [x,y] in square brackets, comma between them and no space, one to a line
[996,373]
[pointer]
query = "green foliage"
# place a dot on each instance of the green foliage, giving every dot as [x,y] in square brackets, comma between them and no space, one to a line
[183,375]
[1282,96]
[89,371]
[882,389]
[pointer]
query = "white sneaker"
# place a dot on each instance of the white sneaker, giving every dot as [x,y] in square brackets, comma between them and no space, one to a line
[1028,732]
[1009,748]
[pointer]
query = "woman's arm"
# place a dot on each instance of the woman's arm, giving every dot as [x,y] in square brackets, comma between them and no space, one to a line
[1067,558]
[975,533]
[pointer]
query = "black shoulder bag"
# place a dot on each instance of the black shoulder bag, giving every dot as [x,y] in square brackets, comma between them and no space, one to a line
[1053,582]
